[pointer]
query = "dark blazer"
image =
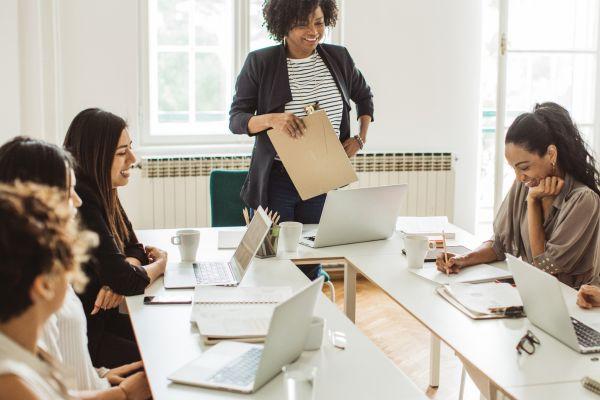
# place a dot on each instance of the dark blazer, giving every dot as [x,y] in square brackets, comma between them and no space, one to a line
[263,87]
[107,265]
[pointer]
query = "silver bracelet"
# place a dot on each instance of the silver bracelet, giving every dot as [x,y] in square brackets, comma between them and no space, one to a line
[361,143]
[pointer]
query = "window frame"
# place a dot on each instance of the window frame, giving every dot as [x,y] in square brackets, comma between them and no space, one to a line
[241,37]
[503,54]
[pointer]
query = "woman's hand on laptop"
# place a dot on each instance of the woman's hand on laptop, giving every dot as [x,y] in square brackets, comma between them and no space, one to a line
[453,266]
[588,296]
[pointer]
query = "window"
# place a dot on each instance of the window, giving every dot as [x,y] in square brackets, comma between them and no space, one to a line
[550,54]
[194,51]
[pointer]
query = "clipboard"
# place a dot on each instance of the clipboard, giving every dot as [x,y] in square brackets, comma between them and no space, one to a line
[316,162]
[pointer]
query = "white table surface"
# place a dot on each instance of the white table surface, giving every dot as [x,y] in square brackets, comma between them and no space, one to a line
[167,340]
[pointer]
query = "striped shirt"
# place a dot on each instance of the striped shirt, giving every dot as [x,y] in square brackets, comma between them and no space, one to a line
[311,81]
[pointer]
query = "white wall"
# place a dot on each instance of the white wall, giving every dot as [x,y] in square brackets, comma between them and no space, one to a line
[421,58]
[9,70]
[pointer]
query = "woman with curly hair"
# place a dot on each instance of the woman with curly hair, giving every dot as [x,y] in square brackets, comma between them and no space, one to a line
[275,85]
[551,215]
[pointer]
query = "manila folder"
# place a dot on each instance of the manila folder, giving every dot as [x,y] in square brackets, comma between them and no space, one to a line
[316,162]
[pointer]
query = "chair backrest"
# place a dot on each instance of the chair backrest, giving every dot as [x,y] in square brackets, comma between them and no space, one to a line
[225,202]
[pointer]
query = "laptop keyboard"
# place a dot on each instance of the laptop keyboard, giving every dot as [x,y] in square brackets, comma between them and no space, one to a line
[241,371]
[211,272]
[587,336]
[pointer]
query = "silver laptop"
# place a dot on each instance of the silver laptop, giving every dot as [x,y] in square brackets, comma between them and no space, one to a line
[245,367]
[357,215]
[546,308]
[229,273]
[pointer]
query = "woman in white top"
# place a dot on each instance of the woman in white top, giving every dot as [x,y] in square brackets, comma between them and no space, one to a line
[64,335]
[41,249]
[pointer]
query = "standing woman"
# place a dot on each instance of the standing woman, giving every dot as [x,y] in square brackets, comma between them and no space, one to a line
[550,216]
[101,146]
[275,85]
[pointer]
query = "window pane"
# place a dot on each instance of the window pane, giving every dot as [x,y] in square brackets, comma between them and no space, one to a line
[210,84]
[172,21]
[552,24]
[212,21]
[567,79]
[259,36]
[173,82]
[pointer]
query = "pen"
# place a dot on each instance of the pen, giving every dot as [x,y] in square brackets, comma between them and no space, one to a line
[445,251]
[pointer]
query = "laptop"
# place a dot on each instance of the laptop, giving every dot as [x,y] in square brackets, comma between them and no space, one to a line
[357,215]
[546,308]
[228,273]
[244,367]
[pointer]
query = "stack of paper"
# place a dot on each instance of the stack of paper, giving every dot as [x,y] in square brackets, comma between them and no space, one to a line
[235,313]
[426,226]
[477,300]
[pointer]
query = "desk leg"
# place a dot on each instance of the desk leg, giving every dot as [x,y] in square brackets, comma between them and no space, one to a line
[434,361]
[350,291]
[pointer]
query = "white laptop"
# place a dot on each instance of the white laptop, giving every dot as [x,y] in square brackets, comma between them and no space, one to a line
[357,215]
[245,367]
[546,308]
[188,275]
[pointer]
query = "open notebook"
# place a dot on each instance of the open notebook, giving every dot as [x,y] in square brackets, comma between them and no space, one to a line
[235,313]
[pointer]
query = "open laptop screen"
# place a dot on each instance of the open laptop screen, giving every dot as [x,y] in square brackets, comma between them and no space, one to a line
[252,239]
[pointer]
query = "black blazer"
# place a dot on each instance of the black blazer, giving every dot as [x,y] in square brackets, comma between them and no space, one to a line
[107,265]
[263,87]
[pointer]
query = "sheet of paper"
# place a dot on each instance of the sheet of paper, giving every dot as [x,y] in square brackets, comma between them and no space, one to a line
[480,297]
[233,321]
[428,226]
[476,273]
[241,294]
[231,238]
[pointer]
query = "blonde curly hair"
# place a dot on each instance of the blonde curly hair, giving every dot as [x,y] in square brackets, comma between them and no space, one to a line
[38,235]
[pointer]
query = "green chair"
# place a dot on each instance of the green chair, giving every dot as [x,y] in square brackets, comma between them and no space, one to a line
[225,202]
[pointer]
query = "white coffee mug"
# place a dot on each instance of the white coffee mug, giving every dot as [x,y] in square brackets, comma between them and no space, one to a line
[416,247]
[289,235]
[315,334]
[188,241]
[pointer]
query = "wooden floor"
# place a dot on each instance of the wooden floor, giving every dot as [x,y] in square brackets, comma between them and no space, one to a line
[404,340]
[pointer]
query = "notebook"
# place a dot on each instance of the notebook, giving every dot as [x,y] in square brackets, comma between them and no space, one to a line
[474,274]
[476,300]
[592,384]
[235,313]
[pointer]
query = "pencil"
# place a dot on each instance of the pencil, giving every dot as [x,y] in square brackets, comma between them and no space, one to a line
[246,217]
[445,251]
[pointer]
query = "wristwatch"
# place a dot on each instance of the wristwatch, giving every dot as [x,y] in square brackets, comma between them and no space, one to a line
[361,143]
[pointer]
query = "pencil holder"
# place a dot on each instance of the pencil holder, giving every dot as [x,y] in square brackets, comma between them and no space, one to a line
[268,248]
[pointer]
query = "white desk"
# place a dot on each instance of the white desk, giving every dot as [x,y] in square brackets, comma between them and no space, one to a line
[487,344]
[167,340]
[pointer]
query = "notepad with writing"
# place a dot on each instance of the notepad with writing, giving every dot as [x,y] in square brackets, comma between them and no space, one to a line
[235,313]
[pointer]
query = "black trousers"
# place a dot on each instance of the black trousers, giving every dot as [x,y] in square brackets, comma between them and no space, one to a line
[115,345]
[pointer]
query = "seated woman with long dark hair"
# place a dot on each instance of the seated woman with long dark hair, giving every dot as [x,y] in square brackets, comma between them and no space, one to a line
[550,216]
[64,335]
[101,146]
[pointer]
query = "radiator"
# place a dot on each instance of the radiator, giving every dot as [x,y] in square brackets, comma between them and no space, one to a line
[173,192]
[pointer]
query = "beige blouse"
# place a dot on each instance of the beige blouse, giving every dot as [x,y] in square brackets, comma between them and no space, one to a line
[572,249]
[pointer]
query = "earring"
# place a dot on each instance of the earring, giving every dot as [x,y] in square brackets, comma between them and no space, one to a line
[284,41]
[553,168]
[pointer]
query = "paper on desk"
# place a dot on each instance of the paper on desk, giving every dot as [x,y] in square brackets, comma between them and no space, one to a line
[241,294]
[232,321]
[474,274]
[427,226]
[231,238]
[480,297]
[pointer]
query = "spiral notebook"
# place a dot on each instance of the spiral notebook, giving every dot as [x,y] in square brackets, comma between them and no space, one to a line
[592,384]
[235,313]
